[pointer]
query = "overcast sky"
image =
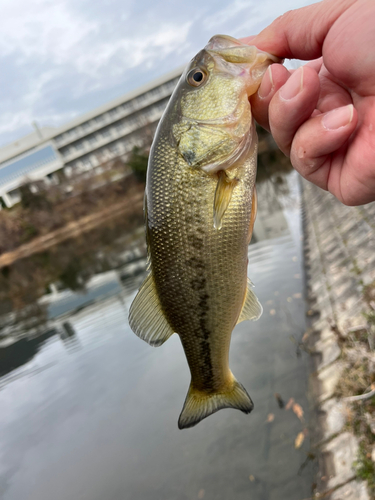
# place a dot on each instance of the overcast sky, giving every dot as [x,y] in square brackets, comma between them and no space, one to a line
[61,58]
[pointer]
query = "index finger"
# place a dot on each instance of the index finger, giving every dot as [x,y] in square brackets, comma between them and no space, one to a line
[300,33]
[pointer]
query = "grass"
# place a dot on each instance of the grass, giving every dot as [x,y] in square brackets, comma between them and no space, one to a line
[359,374]
[365,468]
[358,378]
[369,292]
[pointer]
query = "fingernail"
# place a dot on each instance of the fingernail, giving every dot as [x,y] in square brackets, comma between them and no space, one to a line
[293,86]
[266,85]
[338,118]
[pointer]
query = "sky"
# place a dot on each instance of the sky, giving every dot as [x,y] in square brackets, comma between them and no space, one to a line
[62,58]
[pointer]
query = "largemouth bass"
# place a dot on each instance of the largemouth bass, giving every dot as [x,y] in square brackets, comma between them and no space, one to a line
[200,208]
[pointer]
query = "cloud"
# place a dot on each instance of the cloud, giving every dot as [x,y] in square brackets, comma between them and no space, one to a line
[41,28]
[60,58]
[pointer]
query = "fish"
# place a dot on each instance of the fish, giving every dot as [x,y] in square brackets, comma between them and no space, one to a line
[200,207]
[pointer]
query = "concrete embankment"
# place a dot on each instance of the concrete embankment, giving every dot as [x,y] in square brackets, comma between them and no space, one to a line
[340,276]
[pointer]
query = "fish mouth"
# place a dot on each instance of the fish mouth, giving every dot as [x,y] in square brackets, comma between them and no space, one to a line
[222,42]
[233,51]
[246,61]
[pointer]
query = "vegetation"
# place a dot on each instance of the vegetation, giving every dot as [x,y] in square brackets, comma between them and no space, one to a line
[34,200]
[138,162]
[272,163]
[365,468]
[359,379]
[70,264]
[49,209]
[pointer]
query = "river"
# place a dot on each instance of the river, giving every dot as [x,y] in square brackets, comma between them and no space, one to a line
[89,411]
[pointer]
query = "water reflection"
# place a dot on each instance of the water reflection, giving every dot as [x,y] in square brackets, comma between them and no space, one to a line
[90,411]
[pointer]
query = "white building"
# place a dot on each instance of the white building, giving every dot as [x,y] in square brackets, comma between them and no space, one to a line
[108,132]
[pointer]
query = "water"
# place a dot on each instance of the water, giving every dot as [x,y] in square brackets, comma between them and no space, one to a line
[89,411]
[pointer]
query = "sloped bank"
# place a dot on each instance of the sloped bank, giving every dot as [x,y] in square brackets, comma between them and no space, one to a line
[339,245]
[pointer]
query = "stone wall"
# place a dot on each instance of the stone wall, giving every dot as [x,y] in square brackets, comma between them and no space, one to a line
[340,262]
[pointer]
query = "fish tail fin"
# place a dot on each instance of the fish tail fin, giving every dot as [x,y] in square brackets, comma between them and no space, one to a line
[199,405]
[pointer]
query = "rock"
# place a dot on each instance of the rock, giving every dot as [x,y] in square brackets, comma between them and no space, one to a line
[351,491]
[334,418]
[328,351]
[328,378]
[342,452]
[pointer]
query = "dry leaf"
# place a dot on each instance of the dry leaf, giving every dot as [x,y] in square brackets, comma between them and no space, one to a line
[272,312]
[299,440]
[252,478]
[298,411]
[201,493]
[270,418]
[289,404]
[305,337]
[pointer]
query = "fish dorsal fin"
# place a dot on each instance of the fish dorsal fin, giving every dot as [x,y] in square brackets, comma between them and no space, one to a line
[146,317]
[252,308]
[223,195]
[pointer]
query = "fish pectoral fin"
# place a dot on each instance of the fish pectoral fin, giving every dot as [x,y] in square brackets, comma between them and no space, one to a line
[252,308]
[146,317]
[199,405]
[223,195]
[254,209]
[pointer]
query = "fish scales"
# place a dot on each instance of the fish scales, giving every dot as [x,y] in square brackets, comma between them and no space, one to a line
[193,253]
[199,213]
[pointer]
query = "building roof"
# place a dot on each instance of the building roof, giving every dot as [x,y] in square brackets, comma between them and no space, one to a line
[21,167]
[24,143]
[32,140]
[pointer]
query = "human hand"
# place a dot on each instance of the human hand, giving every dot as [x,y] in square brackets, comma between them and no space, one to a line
[323,114]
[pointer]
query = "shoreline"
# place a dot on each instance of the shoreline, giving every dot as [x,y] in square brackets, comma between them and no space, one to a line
[71,230]
[339,254]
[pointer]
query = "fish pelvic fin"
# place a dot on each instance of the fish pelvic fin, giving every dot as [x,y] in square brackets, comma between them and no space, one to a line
[199,405]
[252,308]
[146,317]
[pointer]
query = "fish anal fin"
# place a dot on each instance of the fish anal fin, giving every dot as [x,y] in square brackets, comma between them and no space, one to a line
[146,317]
[223,195]
[252,308]
[199,405]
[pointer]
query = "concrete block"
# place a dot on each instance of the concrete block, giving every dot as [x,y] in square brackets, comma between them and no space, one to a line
[334,416]
[326,352]
[351,491]
[343,452]
[328,378]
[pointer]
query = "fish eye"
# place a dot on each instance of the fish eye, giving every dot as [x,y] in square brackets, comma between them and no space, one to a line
[196,77]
